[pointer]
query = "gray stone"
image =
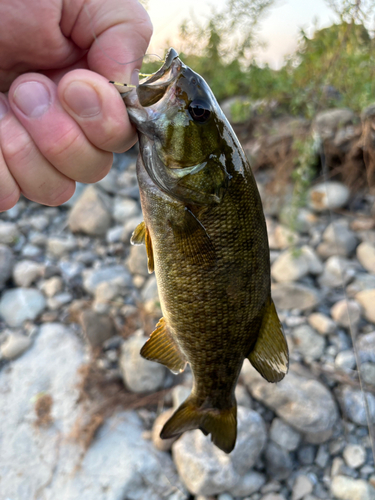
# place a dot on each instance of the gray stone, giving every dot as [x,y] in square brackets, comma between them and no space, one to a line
[307,342]
[159,443]
[302,221]
[139,374]
[248,484]
[302,487]
[97,328]
[353,405]
[283,435]
[19,304]
[109,274]
[6,264]
[150,296]
[346,488]
[8,233]
[109,183]
[179,394]
[242,396]
[303,403]
[114,234]
[294,296]
[129,227]
[59,246]
[26,272]
[328,122]
[90,214]
[365,345]
[295,264]
[367,300]
[39,222]
[273,496]
[345,360]
[366,256]
[124,209]
[322,323]
[15,345]
[137,260]
[346,313]
[354,455]
[362,281]
[338,239]
[206,470]
[328,196]
[306,454]
[322,457]
[224,496]
[59,300]
[337,272]
[278,462]
[368,373]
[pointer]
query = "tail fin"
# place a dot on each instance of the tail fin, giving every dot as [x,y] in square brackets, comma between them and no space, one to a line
[221,424]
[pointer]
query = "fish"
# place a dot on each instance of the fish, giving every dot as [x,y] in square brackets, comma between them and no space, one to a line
[206,240]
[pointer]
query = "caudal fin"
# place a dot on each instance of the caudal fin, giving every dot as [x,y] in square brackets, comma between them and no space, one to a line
[221,424]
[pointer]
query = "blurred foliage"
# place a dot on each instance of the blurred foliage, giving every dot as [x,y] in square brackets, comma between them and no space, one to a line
[335,67]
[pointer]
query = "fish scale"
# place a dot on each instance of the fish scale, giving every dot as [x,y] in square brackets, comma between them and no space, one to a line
[206,239]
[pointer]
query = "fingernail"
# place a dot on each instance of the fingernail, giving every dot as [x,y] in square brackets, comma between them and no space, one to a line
[4,108]
[82,99]
[32,98]
[134,79]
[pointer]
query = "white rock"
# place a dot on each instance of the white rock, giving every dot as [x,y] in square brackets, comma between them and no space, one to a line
[353,406]
[26,272]
[294,264]
[346,313]
[354,455]
[137,260]
[345,360]
[347,488]
[328,195]
[321,323]
[8,232]
[90,214]
[284,237]
[366,256]
[139,374]
[19,304]
[159,443]
[338,239]
[15,345]
[59,246]
[179,394]
[302,487]
[206,470]
[367,300]
[52,286]
[124,209]
[294,296]
[109,274]
[337,272]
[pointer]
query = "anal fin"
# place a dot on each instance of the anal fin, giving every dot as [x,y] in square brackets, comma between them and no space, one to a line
[141,236]
[161,347]
[221,424]
[270,355]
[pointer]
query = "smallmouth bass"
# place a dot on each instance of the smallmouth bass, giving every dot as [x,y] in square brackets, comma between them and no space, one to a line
[206,239]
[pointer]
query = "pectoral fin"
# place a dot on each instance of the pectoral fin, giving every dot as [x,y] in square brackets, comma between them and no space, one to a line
[161,347]
[193,240]
[270,355]
[140,236]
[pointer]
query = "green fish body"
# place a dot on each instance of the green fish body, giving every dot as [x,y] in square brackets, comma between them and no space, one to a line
[206,239]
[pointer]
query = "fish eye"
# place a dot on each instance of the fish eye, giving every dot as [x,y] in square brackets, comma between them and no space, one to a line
[199,111]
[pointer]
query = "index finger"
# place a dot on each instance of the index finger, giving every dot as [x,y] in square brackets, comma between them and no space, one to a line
[116,34]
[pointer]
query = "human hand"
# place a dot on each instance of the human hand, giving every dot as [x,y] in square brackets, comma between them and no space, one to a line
[61,124]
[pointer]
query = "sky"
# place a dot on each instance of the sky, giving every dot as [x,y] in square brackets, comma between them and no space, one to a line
[279,29]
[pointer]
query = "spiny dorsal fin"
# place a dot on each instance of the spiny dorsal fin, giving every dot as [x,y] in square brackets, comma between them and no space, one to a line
[162,348]
[221,424]
[139,234]
[193,240]
[270,355]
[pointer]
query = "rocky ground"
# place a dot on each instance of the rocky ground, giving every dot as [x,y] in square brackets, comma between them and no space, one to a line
[81,411]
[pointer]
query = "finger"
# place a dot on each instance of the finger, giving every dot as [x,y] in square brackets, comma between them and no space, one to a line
[98,108]
[121,31]
[27,169]
[33,99]
[9,191]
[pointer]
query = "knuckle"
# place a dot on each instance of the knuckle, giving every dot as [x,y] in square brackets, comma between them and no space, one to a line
[65,147]
[18,148]
[58,196]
